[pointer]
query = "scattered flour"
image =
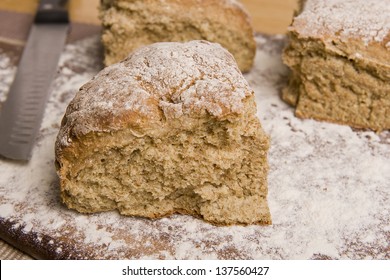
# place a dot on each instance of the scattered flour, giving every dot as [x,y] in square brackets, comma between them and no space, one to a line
[329,187]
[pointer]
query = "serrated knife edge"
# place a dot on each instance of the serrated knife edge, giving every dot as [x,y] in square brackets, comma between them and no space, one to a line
[22,112]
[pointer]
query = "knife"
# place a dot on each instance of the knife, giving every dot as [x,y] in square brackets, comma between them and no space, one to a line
[22,112]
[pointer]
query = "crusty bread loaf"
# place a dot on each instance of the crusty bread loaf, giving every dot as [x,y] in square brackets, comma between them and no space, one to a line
[130,24]
[171,129]
[339,54]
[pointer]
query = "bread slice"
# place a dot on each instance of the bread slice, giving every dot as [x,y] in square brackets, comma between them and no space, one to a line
[171,129]
[339,54]
[130,24]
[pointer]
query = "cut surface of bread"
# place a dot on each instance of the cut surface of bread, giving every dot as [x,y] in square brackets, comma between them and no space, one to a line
[171,129]
[130,24]
[339,54]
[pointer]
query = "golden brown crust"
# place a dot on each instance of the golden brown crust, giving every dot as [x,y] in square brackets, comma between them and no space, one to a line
[161,81]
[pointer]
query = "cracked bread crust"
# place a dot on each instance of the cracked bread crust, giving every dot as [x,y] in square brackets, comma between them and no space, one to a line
[130,24]
[340,63]
[160,82]
[171,129]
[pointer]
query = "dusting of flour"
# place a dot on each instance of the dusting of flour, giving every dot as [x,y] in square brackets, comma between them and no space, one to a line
[329,187]
[365,19]
[178,78]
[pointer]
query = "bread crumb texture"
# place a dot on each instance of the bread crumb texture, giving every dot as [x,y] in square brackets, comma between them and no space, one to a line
[340,60]
[171,129]
[131,24]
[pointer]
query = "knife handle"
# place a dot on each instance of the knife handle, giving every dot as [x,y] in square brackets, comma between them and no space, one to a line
[52,11]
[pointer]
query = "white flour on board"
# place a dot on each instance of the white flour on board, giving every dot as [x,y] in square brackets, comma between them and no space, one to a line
[329,186]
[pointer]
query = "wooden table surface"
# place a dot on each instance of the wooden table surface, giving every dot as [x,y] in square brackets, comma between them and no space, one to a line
[268,16]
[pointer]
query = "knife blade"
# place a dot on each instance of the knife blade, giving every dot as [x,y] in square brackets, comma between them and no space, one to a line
[22,112]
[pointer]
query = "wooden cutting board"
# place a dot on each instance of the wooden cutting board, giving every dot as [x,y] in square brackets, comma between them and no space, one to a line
[328,186]
[16,17]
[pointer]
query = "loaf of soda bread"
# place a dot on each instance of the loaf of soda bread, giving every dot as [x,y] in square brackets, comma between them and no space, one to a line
[339,54]
[170,129]
[130,24]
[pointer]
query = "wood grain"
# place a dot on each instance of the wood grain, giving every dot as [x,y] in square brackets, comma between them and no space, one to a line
[270,16]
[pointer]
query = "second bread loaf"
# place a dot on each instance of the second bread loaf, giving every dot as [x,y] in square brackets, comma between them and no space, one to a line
[130,24]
